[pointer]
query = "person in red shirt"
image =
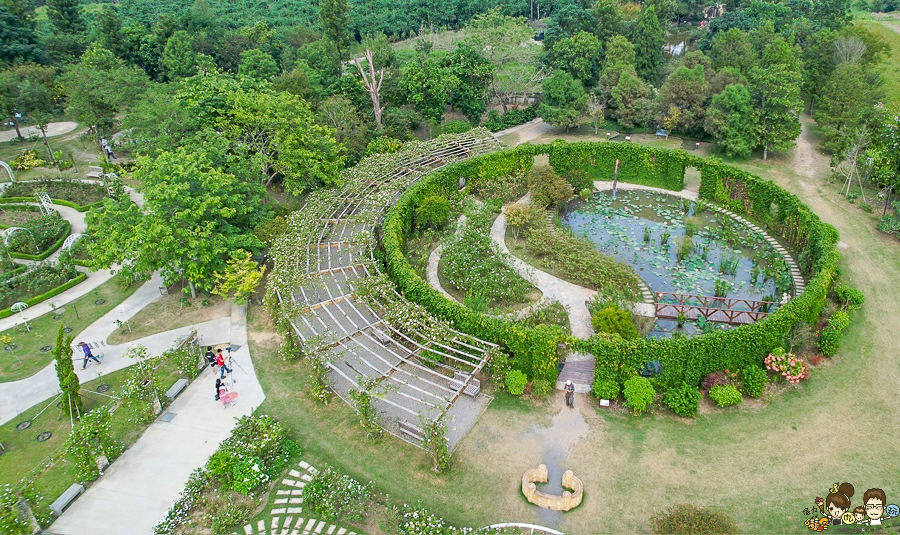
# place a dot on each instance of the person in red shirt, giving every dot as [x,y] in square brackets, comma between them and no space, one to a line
[220,362]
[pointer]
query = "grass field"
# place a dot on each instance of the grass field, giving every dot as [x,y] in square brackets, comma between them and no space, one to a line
[84,152]
[44,330]
[889,30]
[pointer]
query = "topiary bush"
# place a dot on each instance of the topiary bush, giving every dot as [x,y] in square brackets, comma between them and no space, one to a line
[613,320]
[605,388]
[639,394]
[830,337]
[683,400]
[755,380]
[848,296]
[432,211]
[515,382]
[725,395]
[686,519]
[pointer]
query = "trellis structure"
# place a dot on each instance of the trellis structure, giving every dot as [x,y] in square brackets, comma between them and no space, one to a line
[9,171]
[336,299]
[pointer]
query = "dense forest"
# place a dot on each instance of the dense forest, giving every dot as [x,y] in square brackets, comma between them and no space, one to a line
[230,98]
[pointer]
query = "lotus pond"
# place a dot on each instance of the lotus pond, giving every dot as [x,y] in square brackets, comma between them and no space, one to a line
[681,246]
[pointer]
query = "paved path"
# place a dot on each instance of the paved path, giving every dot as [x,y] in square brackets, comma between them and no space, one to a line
[526,132]
[17,396]
[141,485]
[434,259]
[53,129]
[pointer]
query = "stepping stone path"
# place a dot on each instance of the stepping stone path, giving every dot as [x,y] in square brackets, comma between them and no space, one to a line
[288,517]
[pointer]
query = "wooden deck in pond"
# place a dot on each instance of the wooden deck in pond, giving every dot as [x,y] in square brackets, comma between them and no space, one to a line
[717,309]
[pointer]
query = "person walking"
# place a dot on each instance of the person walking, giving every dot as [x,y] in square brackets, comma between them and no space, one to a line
[570,394]
[220,361]
[210,357]
[87,355]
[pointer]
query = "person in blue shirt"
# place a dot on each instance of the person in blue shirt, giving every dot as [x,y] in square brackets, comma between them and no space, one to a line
[87,355]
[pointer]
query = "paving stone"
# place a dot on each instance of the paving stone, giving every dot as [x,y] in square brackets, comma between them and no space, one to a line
[304,465]
[288,482]
[261,526]
[275,522]
[248,529]
[283,492]
[296,511]
[280,501]
[295,501]
[279,511]
[320,526]
[341,531]
[331,529]
[306,477]
[294,473]
[310,524]
[296,492]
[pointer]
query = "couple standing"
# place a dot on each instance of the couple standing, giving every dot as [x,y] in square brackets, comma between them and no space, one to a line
[217,360]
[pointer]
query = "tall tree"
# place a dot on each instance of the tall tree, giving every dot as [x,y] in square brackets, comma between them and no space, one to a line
[578,55]
[108,31]
[729,121]
[564,100]
[18,39]
[632,100]
[194,216]
[777,105]
[336,22]
[339,114]
[499,38]
[732,48]
[847,98]
[683,98]
[372,80]
[647,37]
[609,20]
[66,16]
[99,87]
[257,64]
[179,58]
[472,94]
[65,373]
[428,87]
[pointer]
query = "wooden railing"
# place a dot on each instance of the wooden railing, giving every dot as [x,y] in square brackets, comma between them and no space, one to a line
[718,309]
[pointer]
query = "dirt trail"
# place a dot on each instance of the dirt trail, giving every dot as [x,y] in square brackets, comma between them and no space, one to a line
[53,129]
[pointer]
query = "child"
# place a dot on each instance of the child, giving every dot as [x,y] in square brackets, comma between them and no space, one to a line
[860,514]
[224,396]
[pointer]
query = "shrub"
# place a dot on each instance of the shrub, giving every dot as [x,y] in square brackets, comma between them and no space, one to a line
[517,215]
[614,320]
[639,394]
[456,126]
[270,230]
[335,496]
[253,455]
[28,159]
[383,144]
[605,389]
[754,379]
[683,400]
[542,387]
[787,366]
[714,379]
[548,188]
[515,382]
[848,296]
[725,395]
[224,520]
[432,211]
[685,519]
[831,334]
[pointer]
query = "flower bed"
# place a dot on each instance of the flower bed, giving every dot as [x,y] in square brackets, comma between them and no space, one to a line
[79,194]
[35,282]
[44,234]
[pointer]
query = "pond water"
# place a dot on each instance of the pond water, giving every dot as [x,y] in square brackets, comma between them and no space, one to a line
[647,230]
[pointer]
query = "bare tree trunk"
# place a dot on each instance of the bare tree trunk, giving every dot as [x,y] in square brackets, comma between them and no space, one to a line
[497,93]
[765,151]
[373,86]
[49,150]
[15,123]
[887,201]
[193,290]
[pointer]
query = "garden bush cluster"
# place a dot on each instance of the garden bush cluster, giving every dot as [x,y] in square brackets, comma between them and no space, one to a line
[725,395]
[683,400]
[35,281]
[334,495]
[496,122]
[830,337]
[685,519]
[76,192]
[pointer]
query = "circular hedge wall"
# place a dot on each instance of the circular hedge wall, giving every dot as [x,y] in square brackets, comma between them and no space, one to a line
[533,351]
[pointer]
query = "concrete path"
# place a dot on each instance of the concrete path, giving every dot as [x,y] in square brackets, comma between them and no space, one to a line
[140,486]
[572,296]
[17,396]
[53,129]
[434,259]
[526,132]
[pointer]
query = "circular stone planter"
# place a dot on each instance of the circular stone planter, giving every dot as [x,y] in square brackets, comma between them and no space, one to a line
[46,348]
[103,388]
[10,347]
[67,330]
[44,436]
[99,301]
[23,425]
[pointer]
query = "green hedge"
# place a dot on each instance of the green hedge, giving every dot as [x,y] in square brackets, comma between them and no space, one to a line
[5,313]
[683,359]
[13,273]
[47,252]
[61,202]
[582,163]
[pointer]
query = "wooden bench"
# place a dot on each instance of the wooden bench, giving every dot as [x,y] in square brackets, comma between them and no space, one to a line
[176,389]
[411,430]
[94,172]
[473,389]
[60,504]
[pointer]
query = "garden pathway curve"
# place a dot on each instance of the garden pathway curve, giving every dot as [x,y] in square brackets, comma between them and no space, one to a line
[17,396]
[139,487]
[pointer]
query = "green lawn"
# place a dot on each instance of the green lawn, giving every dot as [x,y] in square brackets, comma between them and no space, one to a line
[27,459]
[889,30]
[45,328]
